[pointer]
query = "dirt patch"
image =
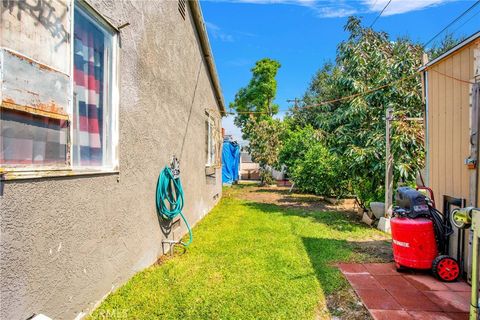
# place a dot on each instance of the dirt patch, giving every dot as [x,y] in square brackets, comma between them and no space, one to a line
[346,305]
[281,196]
[377,250]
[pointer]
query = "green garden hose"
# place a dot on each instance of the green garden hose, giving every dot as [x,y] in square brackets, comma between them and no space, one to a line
[169,189]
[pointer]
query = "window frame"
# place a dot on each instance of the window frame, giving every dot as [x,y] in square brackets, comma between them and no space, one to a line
[213,133]
[27,171]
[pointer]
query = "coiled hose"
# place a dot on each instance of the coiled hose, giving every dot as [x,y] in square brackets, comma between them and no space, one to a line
[169,189]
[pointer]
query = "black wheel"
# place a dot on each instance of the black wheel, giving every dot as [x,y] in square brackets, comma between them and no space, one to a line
[399,267]
[445,268]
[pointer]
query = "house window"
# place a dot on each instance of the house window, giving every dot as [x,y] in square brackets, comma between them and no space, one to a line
[83,137]
[212,140]
[210,145]
[29,140]
[92,119]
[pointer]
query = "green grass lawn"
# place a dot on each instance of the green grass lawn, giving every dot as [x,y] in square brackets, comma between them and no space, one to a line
[249,260]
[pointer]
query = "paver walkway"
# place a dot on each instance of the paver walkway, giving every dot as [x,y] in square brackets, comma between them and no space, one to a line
[390,295]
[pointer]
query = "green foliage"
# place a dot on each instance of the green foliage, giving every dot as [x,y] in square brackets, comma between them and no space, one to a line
[319,171]
[265,144]
[257,96]
[311,164]
[296,144]
[255,109]
[266,177]
[448,42]
[354,129]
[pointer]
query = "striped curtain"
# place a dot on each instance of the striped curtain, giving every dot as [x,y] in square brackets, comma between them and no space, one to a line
[88,76]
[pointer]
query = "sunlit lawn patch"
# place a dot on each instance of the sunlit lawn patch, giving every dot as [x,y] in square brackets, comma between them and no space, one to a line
[248,260]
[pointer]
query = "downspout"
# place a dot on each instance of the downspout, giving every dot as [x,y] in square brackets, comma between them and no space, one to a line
[425,122]
[427,153]
[207,52]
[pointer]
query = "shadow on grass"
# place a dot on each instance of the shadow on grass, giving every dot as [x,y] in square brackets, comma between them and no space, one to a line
[340,221]
[289,201]
[297,195]
[341,301]
[273,190]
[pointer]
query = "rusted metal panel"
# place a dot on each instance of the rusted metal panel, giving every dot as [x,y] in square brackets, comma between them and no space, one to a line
[30,86]
[10,104]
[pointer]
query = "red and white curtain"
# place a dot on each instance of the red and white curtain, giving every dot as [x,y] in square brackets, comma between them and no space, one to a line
[89,90]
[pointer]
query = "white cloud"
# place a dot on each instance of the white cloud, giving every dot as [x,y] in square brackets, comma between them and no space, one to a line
[333,12]
[217,32]
[401,6]
[323,8]
[294,2]
[343,8]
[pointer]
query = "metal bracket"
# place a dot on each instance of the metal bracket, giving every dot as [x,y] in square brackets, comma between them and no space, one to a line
[175,167]
[471,163]
[172,244]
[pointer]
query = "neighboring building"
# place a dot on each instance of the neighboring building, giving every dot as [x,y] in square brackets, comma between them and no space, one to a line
[249,170]
[96,98]
[452,93]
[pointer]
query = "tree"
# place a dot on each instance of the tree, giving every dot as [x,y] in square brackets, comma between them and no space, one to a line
[265,144]
[321,88]
[296,143]
[258,96]
[354,128]
[311,165]
[448,42]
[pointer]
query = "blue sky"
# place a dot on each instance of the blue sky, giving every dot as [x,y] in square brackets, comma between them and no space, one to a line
[303,34]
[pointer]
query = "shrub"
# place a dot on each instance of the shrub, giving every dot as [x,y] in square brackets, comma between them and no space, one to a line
[320,172]
[295,145]
[266,177]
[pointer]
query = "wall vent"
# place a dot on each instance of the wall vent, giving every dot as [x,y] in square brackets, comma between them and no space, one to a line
[182,8]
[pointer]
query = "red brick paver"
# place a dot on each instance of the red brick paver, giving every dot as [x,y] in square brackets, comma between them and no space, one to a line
[425,282]
[378,299]
[428,315]
[390,314]
[450,301]
[363,281]
[381,269]
[352,268]
[396,282]
[390,295]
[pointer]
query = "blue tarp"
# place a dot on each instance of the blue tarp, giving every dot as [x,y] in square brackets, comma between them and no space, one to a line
[230,161]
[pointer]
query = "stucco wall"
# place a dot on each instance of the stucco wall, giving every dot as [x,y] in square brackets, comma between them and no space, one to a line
[67,242]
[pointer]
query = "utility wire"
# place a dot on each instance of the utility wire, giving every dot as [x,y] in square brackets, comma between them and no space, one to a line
[451,23]
[360,93]
[381,12]
[467,21]
[388,84]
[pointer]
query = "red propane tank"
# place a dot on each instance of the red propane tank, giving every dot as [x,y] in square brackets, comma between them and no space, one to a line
[413,242]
